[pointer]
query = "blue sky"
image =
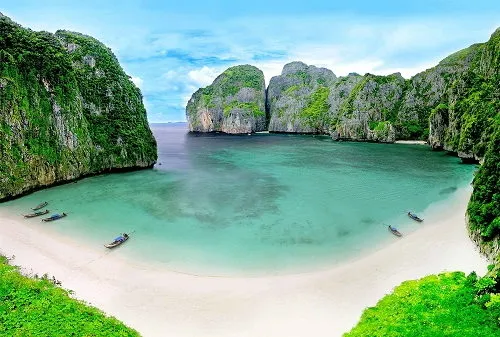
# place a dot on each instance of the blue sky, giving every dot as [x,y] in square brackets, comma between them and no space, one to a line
[171,48]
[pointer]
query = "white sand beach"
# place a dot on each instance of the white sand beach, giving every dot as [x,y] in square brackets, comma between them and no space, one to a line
[158,302]
[411,142]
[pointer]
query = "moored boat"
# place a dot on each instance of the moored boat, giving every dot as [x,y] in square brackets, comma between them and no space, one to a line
[32,215]
[118,241]
[394,231]
[55,217]
[415,217]
[40,206]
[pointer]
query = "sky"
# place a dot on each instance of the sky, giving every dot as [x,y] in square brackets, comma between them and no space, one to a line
[172,48]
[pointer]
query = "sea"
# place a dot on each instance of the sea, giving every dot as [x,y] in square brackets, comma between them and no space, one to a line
[259,204]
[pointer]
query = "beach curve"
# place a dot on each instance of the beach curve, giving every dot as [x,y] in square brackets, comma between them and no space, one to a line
[156,301]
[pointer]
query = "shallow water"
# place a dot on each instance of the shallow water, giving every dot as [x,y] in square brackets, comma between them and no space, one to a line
[255,204]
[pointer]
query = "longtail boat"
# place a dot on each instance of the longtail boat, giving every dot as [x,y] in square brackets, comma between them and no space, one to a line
[414,217]
[32,215]
[118,241]
[394,231]
[55,217]
[39,206]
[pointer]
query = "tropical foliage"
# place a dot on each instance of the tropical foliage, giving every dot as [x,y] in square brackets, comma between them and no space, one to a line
[449,304]
[484,206]
[235,78]
[37,308]
[316,111]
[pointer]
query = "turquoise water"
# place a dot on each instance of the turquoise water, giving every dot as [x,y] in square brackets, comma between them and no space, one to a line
[255,204]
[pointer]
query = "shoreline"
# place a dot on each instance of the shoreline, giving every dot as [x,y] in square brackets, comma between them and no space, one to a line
[411,142]
[327,302]
[114,170]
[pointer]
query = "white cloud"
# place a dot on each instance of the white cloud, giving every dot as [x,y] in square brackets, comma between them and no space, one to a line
[185,100]
[172,74]
[406,72]
[271,68]
[147,106]
[203,76]
[137,81]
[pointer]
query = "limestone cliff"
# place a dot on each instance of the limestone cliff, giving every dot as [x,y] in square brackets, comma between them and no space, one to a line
[233,103]
[307,99]
[67,109]
[452,105]
[369,107]
[383,108]
[297,100]
[473,131]
[365,107]
[469,110]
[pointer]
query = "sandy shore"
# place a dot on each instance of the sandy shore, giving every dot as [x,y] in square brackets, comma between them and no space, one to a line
[411,142]
[159,302]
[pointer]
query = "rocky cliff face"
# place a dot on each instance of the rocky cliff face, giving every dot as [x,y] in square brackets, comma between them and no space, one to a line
[473,131]
[382,108]
[365,107]
[469,110]
[233,103]
[369,107]
[355,107]
[67,110]
[441,104]
[297,100]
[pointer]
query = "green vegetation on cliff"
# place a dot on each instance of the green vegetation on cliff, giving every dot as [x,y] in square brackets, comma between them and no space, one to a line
[316,111]
[235,78]
[467,115]
[67,110]
[233,103]
[476,132]
[474,114]
[459,57]
[251,108]
[112,103]
[347,107]
[36,307]
[380,129]
[299,99]
[448,304]
[484,205]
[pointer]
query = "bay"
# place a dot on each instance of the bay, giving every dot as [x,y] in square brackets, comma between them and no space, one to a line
[218,204]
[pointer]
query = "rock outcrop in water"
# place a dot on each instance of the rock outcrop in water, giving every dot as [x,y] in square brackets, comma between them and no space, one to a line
[233,103]
[67,109]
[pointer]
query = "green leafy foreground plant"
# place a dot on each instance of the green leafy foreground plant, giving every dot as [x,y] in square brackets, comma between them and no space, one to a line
[449,304]
[37,308]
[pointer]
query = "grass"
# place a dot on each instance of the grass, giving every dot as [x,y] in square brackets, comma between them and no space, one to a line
[37,308]
[436,305]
